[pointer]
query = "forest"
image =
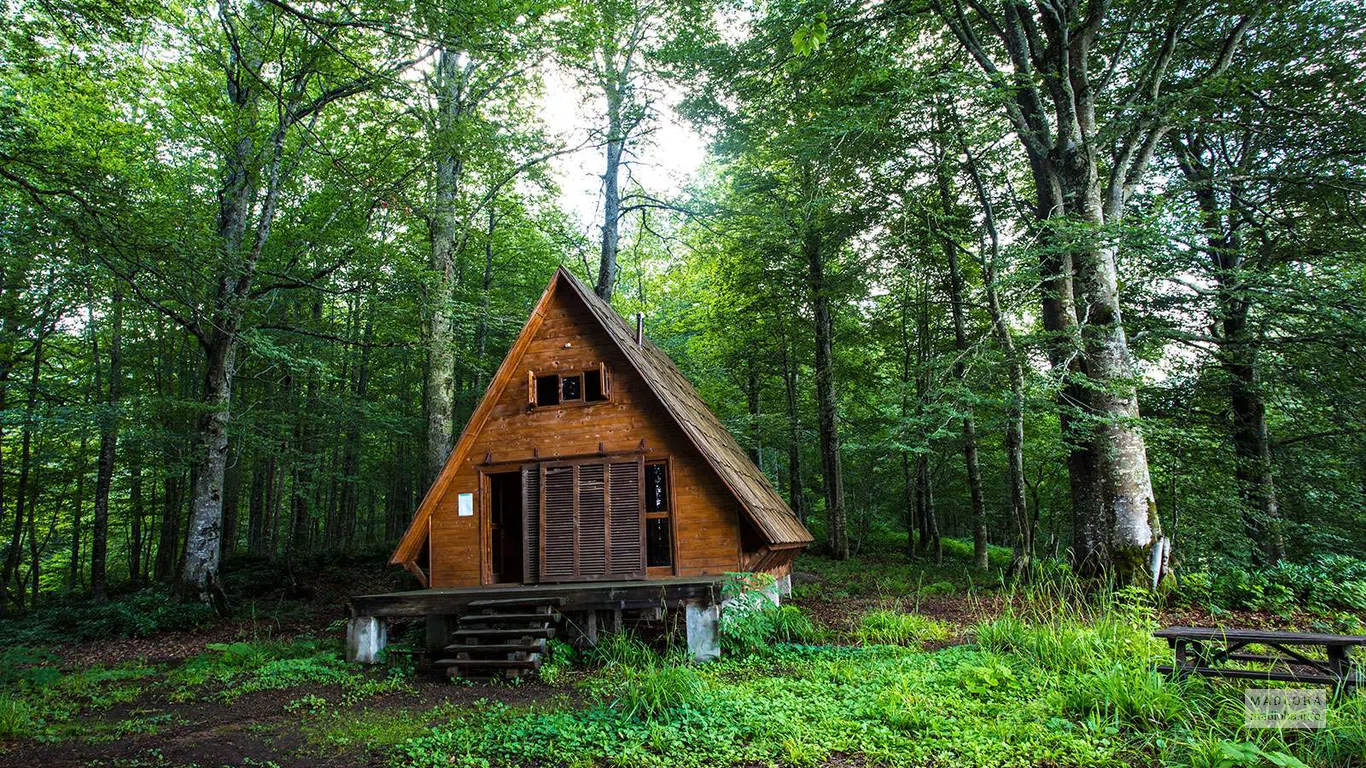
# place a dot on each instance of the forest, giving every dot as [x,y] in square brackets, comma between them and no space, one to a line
[1012,298]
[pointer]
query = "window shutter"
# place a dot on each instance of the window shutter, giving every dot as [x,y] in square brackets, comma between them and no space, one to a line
[530,389]
[557,523]
[531,522]
[592,521]
[606,382]
[627,513]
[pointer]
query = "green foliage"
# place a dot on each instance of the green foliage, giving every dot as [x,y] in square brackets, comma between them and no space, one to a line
[751,623]
[620,649]
[891,627]
[656,690]
[140,614]
[1325,584]
[559,659]
[1090,700]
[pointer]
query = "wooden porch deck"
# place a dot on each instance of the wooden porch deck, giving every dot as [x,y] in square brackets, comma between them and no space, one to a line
[670,593]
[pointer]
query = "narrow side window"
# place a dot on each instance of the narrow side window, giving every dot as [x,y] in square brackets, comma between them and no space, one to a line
[658,527]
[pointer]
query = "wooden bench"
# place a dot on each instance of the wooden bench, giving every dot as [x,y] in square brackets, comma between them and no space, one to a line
[1206,651]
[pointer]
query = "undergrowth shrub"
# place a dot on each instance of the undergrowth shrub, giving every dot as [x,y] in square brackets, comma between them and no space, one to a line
[1062,643]
[751,623]
[1127,697]
[657,690]
[620,649]
[888,627]
[559,658]
[16,717]
[139,614]
[1325,584]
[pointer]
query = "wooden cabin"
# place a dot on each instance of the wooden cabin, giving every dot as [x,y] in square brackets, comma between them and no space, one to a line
[590,474]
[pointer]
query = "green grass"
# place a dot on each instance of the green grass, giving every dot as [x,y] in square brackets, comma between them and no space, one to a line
[1047,685]
[888,627]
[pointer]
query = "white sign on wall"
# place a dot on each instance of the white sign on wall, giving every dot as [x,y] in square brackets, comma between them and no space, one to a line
[466,508]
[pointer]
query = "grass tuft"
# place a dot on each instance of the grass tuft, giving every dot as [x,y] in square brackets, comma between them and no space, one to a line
[887,627]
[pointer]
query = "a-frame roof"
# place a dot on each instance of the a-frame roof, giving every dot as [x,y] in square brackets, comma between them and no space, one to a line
[762,505]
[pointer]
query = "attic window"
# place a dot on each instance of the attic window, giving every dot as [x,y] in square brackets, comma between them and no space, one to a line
[590,385]
[548,390]
[571,388]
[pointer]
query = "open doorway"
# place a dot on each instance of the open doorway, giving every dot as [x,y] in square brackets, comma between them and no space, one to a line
[505,526]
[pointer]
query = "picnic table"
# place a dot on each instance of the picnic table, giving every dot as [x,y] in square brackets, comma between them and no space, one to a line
[1206,651]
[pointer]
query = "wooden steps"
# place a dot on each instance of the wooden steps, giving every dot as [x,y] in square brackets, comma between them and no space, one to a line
[503,638]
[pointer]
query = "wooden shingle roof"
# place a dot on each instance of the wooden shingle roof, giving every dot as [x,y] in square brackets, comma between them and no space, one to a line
[765,508]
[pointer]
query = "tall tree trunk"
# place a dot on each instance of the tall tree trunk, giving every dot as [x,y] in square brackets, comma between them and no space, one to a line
[980,554]
[135,515]
[930,540]
[168,539]
[73,576]
[827,405]
[795,491]
[1239,348]
[1014,416]
[481,335]
[439,386]
[611,192]
[203,535]
[351,469]
[12,562]
[755,406]
[109,436]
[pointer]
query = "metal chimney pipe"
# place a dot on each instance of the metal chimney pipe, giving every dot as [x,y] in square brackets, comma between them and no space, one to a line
[640,328]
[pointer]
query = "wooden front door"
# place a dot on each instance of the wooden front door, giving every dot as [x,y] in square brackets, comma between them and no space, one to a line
[592,520]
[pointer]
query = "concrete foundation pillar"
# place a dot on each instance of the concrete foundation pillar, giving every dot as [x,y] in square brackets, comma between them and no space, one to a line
[704,639]
[366,637]
[785,585]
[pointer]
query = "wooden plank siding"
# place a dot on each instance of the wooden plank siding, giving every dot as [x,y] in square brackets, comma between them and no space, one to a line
[706,519]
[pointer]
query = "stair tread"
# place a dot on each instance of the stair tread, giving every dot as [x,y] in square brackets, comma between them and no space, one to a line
[534,647]
[491,663]
[533,632]
[486,618]
[517,601]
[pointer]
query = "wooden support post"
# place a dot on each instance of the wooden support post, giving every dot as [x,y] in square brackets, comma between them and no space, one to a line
[590,627]
[366,637]
[439,632]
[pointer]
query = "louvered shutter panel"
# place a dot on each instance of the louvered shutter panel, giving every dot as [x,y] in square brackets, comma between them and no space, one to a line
[557,523]
[531,523]
[627,519]
[592,522]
